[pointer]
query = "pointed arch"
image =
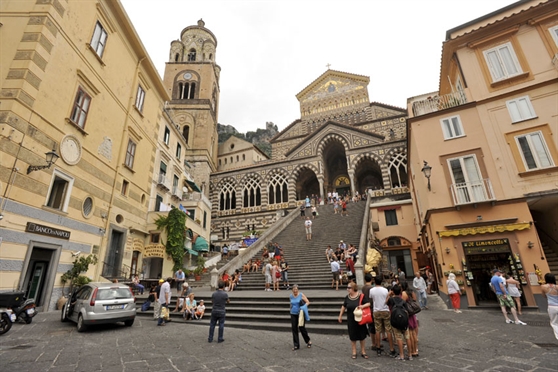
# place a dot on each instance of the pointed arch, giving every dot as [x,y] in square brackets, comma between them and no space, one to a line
[252,191]
[397,169]
[227,194]
[277,187]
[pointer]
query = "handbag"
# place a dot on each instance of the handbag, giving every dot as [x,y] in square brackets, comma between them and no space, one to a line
[412,307]
[301,318]
[277,274]
[366,313]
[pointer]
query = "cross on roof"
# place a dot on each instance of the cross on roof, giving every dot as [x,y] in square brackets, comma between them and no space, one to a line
[328,65]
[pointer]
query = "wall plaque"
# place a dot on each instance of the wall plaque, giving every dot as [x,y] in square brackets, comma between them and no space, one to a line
[46,230]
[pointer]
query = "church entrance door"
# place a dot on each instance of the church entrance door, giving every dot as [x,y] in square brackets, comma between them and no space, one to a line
[335,163]
[307,184]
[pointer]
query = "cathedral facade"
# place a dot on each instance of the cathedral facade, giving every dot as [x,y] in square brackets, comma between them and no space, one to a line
[341,142]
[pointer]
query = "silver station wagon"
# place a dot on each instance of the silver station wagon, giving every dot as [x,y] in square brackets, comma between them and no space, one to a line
[100,303]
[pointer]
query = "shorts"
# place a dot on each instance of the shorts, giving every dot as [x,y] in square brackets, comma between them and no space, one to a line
[401,335]
[344,209]
[308,230]
[382,321]
[506,302]
[314,214]
[335,275]
[267,278]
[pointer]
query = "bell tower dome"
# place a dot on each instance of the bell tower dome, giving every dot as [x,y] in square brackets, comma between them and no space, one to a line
[192,80]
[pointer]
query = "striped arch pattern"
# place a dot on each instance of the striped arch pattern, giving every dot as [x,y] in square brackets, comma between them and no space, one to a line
[329,138]
[251,192]
[227,189]
[377,159]
[294,176]
[277,179]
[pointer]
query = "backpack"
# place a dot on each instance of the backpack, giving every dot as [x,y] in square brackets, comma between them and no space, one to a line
[399,316]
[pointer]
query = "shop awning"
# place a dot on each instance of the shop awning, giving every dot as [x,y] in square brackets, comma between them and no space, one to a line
[201,245]
[192,252]
[193,186]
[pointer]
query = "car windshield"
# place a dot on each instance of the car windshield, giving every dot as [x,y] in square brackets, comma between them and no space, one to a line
[113,293]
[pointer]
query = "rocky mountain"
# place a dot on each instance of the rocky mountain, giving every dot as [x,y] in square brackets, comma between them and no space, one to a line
[260,138]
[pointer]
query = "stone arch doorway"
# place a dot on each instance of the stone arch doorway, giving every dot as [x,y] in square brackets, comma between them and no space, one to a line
[336,176]
[368,174]
[306,184]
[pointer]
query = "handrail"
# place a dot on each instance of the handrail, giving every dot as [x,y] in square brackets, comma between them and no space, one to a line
[249,252]
[363,244]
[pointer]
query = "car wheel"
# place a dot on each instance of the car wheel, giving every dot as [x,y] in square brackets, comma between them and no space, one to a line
[80,325]
[63,315]
[129,323]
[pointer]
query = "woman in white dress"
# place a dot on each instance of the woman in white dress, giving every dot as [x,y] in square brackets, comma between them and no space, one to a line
[513,291]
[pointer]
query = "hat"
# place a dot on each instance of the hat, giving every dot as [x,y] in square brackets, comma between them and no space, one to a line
[340,241]
[185,285]
[358,314]
[496,271]
[161,280]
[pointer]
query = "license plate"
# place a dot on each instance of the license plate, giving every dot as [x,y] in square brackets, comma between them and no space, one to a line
[13,317]
[114,307]
[30,311]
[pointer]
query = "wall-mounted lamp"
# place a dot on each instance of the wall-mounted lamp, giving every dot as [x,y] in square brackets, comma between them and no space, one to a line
[448,250]
[51,158]
[427,170]
[530,244]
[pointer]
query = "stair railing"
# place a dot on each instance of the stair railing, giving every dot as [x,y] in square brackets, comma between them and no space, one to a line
[249,252]
[363,244]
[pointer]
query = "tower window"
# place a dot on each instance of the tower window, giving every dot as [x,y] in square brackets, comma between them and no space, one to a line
[176,56]
[192,55]
[186,90]
[186,132]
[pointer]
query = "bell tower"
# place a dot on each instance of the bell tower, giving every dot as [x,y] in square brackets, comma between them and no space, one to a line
[192,80]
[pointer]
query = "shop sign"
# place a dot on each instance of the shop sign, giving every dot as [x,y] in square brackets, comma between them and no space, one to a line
[45,230]
[485,229]
[154,250]
[485,243]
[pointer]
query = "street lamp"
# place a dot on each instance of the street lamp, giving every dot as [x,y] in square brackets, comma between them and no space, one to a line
[51,158]
[427,170]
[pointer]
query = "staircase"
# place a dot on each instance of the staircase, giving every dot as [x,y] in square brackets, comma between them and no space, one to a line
[551,258]
[308,266]
[253,308]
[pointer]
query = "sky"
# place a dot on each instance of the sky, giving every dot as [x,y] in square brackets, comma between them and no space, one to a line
[271,50]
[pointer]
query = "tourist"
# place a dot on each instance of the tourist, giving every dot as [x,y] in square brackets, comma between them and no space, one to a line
[352,251]
[285,273]
[394,299]
[409,295]
[344,208]
[219,299]
[278,252]
[381,315]
[514,292]
[307,202]
[314,212]
[429,280]
[265,256]
[137,284]
[247,266]
[225,252]
[366,292]
[550,291]
[299,303]
[256,265]
[329,253]
[354,300]
[504,299]
[164,299]
[335,206]
[190,307]
[401,275]
[308,227]
[200,310]
[420,286]
[156,304]
[179,278]
[302,211]
[267,274]
[338,254]
[335,271]
[275,275]
[454,293]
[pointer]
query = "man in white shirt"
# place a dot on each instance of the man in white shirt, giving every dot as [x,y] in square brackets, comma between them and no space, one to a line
[164,298]
[378,294]
[308,227]
[267,272]
[335,271]
[420,286]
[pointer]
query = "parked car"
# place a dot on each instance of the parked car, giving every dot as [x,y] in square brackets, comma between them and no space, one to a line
[100,303]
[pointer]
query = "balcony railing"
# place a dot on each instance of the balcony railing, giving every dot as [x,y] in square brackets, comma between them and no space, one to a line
[196,196]
[162,181]
[437,103]
[472,192]
[177,192]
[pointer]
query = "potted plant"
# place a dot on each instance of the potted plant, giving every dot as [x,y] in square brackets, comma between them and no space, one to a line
[74,277]
[199,268]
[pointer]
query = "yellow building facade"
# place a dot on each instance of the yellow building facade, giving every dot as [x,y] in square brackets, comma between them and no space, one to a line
[483,153]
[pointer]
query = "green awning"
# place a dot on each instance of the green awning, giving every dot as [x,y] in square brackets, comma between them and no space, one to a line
[192,252]
[201,245]
[193,186]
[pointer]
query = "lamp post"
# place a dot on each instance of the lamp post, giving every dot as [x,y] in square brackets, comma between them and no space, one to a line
[427,170]
[51,158]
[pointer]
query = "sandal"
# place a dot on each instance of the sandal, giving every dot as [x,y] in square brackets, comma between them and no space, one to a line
[295,348]
[309,345]
[364,356]
[353,356]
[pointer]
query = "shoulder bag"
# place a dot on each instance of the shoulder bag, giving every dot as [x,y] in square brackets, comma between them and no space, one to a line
[366,313]
[412,307]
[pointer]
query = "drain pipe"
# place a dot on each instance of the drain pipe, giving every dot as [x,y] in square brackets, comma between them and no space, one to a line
[363,245]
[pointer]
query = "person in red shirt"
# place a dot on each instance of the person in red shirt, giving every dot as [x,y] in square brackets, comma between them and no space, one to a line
[344,208]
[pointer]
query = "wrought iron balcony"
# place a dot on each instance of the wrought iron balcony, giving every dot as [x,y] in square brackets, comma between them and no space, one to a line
[472,192]
[437,103]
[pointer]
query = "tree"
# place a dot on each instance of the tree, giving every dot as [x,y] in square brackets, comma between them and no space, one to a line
[175,226]
[81,265]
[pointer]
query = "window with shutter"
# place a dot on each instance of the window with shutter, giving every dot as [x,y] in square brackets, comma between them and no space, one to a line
[502,62]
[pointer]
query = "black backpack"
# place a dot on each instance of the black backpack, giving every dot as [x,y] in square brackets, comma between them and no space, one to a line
[399,316]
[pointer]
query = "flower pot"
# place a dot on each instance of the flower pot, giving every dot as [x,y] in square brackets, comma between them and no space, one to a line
[197,278]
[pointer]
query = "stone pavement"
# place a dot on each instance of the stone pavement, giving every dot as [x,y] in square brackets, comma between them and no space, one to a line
[476,340]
